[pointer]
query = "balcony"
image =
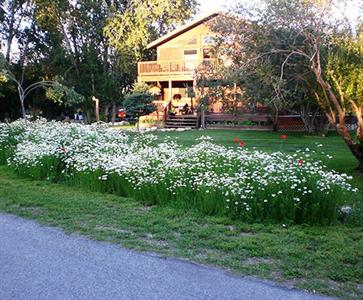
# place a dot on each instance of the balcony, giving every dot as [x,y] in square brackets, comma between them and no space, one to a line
[168,67]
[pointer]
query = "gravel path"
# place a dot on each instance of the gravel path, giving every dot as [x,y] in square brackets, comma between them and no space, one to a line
[38,262]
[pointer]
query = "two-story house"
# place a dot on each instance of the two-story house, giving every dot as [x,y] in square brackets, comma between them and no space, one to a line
[178,55]
[171,76]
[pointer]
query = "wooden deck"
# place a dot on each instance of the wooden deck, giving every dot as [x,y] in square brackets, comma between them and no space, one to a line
[165,70]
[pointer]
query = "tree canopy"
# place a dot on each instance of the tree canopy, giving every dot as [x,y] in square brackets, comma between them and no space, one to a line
[89,47]
[292,52]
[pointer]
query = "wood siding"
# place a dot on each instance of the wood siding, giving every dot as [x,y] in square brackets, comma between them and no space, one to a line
[172,64]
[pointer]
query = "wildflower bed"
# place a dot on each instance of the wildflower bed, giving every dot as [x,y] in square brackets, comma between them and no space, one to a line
[219,180]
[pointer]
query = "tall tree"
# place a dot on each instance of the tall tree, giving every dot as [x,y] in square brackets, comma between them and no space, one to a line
[311,31]
[69,40]
[12,15]
[140,21]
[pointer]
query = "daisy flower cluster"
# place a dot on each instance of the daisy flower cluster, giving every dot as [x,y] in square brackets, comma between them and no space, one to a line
[245,184]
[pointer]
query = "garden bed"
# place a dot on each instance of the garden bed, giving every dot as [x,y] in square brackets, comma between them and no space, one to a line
[243,184]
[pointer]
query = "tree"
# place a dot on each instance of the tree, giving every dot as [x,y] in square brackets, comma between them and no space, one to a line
[251,55]
[309,33]
[216,83]
[12,14]
[135,23]
[343,82]
[139,102]
[56,91]
[74,40]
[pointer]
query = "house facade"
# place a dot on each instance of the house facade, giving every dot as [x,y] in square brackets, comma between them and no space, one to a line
[171,77]
[178,53]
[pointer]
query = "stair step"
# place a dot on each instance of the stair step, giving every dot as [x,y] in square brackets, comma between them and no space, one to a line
[183,117]
[182,121]
[171,126]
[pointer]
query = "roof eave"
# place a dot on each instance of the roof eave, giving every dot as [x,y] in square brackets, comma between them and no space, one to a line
[182,29]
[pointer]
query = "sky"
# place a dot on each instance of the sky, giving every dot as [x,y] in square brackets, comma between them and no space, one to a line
[207,6]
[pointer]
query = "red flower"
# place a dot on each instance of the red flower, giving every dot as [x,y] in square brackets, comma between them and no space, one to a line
[300,162]
[236,140]
[284,136]
[242,144]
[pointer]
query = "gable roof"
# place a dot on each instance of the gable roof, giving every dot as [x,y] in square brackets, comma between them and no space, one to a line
[182,29]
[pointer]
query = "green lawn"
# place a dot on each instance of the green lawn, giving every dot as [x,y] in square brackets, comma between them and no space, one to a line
[328,260]
[342,161]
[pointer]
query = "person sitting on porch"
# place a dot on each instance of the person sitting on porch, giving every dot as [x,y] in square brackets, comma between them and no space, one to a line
[172,111]
[186,110]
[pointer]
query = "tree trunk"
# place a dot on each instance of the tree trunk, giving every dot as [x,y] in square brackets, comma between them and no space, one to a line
[10,31]
[357,151]
[107,109]
[88,115]
[113,113]
[22,108]
[275,121]
[22,100]
[355,147]
[202,118]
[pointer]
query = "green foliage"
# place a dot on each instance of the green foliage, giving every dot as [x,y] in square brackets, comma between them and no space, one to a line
[81,41]
[261,56]
[139,104]
[142,20]
[215,83]
[140,87]
[345,69]
[61,94]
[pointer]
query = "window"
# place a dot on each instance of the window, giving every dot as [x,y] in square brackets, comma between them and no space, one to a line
[207,53]
[190,52]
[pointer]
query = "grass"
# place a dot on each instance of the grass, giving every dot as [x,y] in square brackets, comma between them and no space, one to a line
[328,260]
[343,160]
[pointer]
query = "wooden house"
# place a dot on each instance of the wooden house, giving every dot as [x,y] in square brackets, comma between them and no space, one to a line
[178,54]
[171,76]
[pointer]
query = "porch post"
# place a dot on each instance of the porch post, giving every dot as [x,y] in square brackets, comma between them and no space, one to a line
[170,90]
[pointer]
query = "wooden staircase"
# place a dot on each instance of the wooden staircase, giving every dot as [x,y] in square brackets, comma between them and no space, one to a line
[182,121]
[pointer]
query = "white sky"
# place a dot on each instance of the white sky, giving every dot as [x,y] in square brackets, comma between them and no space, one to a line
[206,6]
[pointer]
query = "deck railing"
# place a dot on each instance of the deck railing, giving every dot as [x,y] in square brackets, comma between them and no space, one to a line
[169,66]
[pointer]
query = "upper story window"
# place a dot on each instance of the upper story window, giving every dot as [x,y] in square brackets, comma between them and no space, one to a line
[190,52]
